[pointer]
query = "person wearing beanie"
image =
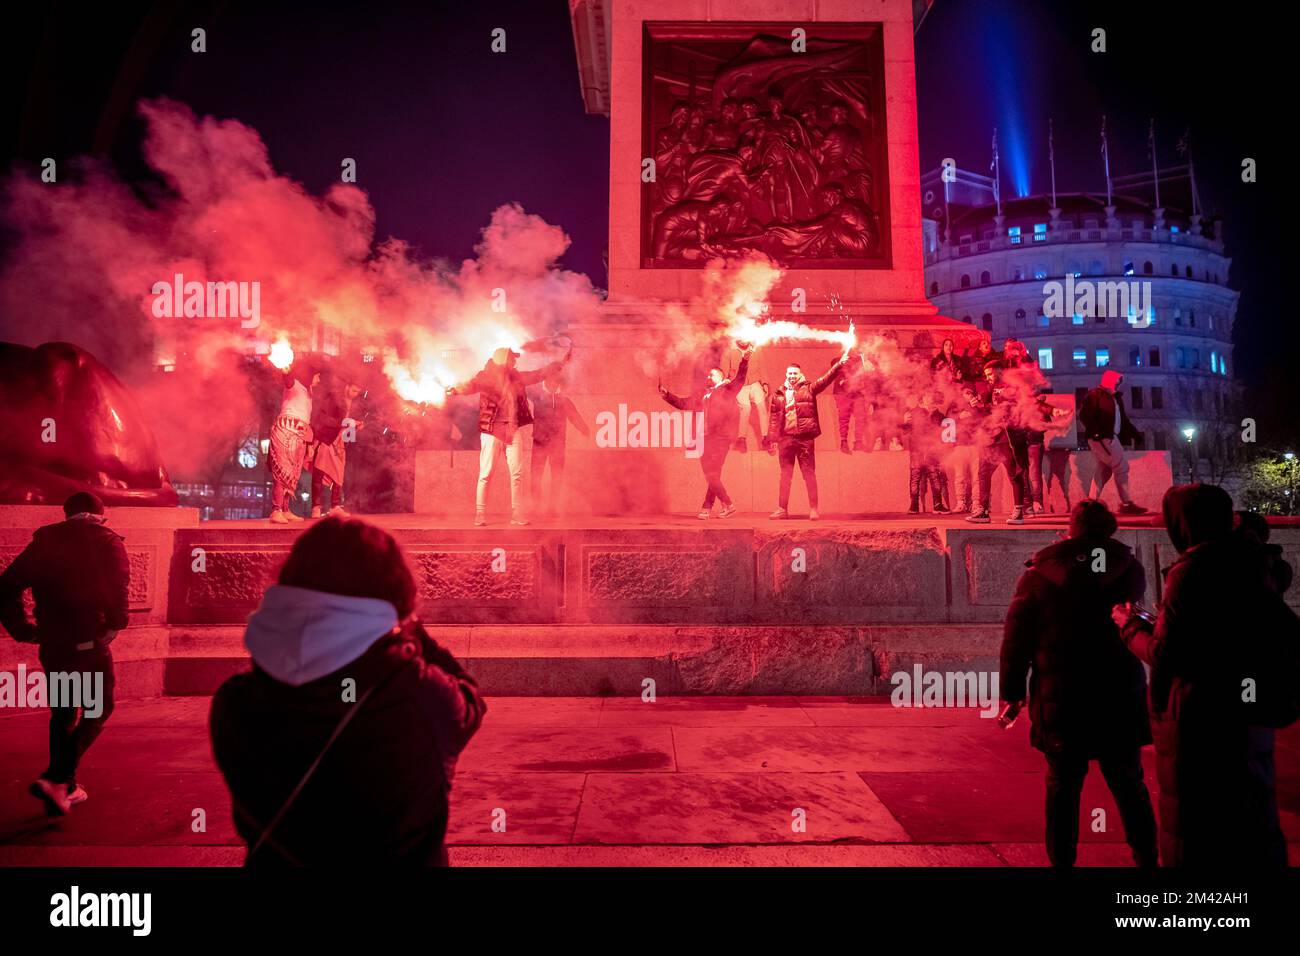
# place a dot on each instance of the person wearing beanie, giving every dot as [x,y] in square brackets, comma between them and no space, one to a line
[78,574]
[1107,429]
[505,424]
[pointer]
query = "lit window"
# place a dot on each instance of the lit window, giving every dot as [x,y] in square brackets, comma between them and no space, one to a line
[1173,229]
[1103,357]
[1080,358]
[1077,318]
[1128,268]
[1040,271]
[1043,321]
[1014,233]
[1040,231]
[1045,358]
[1135,355]
[1214,362]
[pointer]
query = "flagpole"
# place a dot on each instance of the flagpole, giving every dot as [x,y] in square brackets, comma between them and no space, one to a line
[1051,159]
[1155,169]
[1191,174]
[997,173]
[1105,155]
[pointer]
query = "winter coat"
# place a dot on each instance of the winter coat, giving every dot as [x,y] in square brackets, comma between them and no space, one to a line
[1220,622]
[78,573]
[1087,692]
[1097,416]
[721,410]
[380,794]
[807,423]
[491,383]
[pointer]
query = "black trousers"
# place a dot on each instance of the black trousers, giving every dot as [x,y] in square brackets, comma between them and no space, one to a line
[991,456]
[922,472]
[551,452]
[318,493]
[71,732]
[801,450]
[1123,772]
[712,458]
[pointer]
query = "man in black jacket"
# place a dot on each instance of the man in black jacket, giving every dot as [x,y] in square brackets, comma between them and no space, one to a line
[503,416]
[721,419]
[78,574]
[1107,429]
[794,427]
[1087,693]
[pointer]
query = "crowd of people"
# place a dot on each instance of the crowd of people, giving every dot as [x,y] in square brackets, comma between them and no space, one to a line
[339,745]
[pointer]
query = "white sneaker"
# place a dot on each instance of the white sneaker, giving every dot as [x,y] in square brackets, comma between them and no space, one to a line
[519,521]
[480,520]
[895,445]
[878,445]
[813,515]
[727,512]
[78,795]
[704,515]
[779,513]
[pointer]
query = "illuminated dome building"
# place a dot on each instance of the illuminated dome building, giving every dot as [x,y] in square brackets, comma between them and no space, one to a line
[1089,284]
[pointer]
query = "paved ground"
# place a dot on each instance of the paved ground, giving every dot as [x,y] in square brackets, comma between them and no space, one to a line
[614,781]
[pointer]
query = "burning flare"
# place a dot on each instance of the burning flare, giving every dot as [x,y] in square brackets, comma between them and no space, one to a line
[281,355]
[746,308]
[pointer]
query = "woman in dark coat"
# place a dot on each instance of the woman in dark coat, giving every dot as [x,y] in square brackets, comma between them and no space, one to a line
[1087,692]
[1217,633]
[343,674]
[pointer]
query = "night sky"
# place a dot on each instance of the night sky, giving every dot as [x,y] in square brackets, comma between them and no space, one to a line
[444,131]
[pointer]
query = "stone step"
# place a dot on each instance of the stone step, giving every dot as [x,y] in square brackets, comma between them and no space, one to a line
[583,660]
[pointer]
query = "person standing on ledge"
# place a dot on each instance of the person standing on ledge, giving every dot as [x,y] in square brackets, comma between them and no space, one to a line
[505,423]
[290,438]
[721,420]
[552,412]
[794,429]
[1107,428]
[78,574]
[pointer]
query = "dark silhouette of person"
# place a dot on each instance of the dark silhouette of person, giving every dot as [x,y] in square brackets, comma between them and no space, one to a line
[1087,692]
[721,421]
[1222,652]
[340,745]
[78,574]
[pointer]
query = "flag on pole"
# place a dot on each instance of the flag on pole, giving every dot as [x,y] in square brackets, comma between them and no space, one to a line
[993,167]
[1151,151]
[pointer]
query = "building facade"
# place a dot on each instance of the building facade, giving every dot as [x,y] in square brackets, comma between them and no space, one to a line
[1087,286]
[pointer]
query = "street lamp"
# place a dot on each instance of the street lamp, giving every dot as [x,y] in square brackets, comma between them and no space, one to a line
[1190,434]
[1290,482]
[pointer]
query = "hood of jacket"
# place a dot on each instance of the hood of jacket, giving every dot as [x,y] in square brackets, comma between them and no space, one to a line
[1197,514]
[1057,561]
[297,635]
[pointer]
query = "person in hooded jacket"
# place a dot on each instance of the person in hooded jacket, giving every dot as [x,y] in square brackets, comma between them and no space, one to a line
[1254,528]
[78,573]
[1087,692]
[1222,642]
[339,747]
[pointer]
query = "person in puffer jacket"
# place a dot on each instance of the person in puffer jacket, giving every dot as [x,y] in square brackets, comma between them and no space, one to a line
[1087,692]
[336,637]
